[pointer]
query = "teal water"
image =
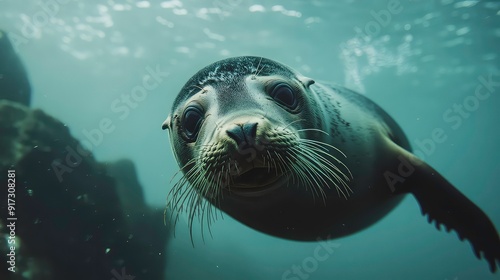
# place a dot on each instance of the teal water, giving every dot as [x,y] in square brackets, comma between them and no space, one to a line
[417,59]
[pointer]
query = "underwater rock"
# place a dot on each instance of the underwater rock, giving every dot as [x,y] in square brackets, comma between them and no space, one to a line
[91,223]
[14,83]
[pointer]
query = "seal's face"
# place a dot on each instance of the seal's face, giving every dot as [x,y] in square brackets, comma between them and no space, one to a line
[242,128]
[233,134]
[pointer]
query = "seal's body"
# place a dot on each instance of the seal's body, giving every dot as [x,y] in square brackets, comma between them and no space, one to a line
[302,160]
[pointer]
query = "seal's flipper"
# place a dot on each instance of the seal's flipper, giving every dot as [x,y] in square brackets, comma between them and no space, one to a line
[445,205]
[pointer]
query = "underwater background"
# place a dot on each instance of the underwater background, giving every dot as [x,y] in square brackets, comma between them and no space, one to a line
[417,59]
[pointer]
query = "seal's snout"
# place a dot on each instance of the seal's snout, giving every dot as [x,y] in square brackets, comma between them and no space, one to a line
[243,134]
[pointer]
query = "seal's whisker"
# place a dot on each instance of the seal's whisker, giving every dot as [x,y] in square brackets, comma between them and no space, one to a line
[291,166]
[273,162]
[290,123]
[317,187]
[257,71]
[193,197]
[330,171]
[194,203]
[281,164]
[178,208]
[236,167]
[324,167]
[206,219]
[318,153]
[297,176]
[301,162]
[310,154]
[267,161]
[225,176]
[319,144]
[313,129]
[180,194]
[218,186]
[202,210]
[308,183]
[191,161]
[300,176]
[325,144]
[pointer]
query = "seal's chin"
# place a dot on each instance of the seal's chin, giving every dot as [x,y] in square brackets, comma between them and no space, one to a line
[257,181]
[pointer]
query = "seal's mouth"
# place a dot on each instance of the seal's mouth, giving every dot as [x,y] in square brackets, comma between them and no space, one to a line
[255,177]
[256,181]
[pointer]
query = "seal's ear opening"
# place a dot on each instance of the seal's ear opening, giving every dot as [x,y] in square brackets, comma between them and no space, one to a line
[306,81]
[166,124]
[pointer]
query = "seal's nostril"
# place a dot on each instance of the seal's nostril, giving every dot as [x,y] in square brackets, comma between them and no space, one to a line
[243,134]
[250,131]
[236,133]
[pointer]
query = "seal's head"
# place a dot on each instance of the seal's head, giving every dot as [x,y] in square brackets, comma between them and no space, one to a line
[242,129]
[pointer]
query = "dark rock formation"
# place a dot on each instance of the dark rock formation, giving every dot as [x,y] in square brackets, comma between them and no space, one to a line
[89,221]
[14,83]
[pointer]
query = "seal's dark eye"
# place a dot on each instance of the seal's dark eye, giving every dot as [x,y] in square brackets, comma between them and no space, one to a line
[285,95]
[191,122]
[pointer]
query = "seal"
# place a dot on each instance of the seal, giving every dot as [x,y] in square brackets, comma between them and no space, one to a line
[302,160]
